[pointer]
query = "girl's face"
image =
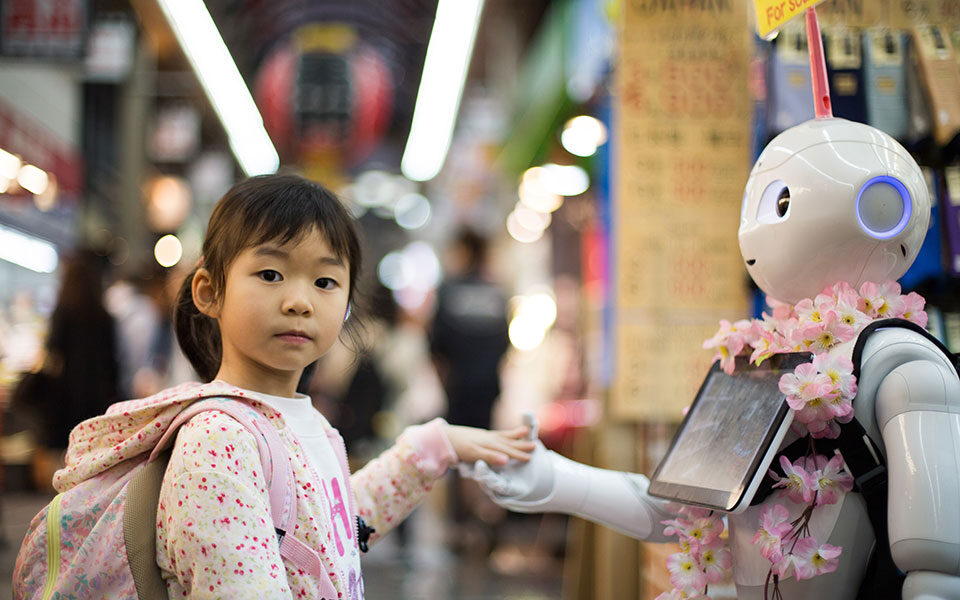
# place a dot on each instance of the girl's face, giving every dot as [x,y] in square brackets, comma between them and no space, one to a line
[282,308]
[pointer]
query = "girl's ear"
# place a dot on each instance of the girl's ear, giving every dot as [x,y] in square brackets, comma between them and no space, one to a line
[204,294]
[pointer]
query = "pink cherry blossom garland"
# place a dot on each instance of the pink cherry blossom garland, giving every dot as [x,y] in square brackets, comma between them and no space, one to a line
[820,393]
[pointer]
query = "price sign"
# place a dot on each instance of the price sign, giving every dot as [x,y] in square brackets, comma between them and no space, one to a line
[771,14]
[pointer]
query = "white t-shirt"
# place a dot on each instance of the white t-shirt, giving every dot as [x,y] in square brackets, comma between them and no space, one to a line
[309,426]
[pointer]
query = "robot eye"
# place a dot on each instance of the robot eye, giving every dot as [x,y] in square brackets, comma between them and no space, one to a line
[783,202]
[883,207]
[774,203]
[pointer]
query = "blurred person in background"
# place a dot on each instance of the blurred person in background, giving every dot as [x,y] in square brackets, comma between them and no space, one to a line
[142,313]
[79,366]
[468,338]
[142,305]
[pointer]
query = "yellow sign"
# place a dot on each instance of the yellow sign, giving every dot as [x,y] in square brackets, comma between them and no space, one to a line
[771,14]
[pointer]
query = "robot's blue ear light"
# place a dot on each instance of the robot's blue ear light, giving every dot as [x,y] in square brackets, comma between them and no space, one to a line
[883,207]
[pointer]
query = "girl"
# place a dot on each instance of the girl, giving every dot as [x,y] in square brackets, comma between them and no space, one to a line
[271,294]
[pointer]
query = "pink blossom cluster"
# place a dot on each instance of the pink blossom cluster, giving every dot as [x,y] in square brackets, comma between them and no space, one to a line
[806,557]
[814,481]
[820,393]
[704,557]
[836,315]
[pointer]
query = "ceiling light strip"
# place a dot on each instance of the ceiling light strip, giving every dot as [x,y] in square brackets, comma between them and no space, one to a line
[27,251]
[223,85]
[441,86]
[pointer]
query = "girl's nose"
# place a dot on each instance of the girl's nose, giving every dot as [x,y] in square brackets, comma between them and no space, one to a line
[297,303]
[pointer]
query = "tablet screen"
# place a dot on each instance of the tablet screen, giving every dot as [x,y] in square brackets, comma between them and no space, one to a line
[726,434]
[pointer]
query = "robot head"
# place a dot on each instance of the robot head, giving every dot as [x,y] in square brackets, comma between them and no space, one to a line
[831,200]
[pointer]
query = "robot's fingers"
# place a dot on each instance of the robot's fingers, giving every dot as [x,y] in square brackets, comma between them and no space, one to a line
[467,470]
[490,479]
[530,420]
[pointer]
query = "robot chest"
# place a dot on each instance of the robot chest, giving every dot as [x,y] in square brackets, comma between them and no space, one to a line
[844,524]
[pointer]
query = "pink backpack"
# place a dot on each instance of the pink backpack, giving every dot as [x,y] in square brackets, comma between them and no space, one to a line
[98,539]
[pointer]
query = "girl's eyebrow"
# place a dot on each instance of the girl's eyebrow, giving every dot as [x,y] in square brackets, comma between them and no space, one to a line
[279,253]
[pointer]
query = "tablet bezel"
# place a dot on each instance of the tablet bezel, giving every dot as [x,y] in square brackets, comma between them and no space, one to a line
[739,499]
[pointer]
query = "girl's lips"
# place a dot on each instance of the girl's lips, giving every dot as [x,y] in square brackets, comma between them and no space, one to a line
[294,337]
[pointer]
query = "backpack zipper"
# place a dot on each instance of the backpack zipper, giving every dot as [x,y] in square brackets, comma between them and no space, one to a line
[53,546]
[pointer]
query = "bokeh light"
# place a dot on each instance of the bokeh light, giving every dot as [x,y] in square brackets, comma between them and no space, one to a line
[168,251]
[582,135]
[412,211]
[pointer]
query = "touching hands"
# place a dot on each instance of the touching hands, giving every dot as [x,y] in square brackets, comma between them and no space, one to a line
[493,447]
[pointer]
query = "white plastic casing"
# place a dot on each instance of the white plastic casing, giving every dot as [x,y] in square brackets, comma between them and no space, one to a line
[825,164]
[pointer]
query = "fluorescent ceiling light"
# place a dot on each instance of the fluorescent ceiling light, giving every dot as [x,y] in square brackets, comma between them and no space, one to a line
[27,251]
[221,81]
[441,86]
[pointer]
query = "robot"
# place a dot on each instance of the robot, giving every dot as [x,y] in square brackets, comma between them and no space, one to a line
[827,201]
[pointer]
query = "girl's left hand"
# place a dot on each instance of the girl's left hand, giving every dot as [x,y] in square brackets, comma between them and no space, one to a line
[493,447]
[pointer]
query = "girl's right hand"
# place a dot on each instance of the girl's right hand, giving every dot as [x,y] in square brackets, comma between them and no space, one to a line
[495,447]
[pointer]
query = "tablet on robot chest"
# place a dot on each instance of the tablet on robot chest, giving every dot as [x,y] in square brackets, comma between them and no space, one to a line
[729,436]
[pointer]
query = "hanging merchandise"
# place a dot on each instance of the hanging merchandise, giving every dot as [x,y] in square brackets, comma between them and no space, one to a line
[919,120]
[929,264]
[845,70]
[949,192]
[791,100]
[941,80]
[884,82]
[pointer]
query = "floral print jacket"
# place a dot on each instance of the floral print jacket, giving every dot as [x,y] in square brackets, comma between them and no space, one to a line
[215,537]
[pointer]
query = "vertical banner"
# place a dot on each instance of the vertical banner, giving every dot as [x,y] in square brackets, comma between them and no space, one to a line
[683,131]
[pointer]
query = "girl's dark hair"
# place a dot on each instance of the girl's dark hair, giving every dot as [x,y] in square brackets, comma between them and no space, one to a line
[266,208]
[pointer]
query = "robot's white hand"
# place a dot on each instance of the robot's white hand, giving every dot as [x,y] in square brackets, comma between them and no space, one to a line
[518,486]
[549,482]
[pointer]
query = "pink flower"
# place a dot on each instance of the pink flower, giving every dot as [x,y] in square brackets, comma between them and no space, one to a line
[810,558]
[774,526]
[848,310]
[839,289]
[715,562]
[840,406]
[831,479]
[815,310]
[698,531]
[883,301]
[781,310]
[677,526]
[729,342]
[798,335]
[913,309]
[685,572]
[825,429]
[798,485]
[833,331]
[840,371]
[805,383]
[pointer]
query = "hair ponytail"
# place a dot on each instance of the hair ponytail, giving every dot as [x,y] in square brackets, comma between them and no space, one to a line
[197,334]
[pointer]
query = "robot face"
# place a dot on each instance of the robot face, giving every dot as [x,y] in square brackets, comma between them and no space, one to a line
[831,200]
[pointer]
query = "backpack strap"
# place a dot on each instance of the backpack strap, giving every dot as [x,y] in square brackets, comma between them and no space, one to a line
[277,470]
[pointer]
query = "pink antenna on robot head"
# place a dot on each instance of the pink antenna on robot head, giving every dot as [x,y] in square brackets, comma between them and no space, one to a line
[818,68]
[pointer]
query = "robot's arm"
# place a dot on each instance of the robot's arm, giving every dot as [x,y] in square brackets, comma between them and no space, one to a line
[918,413]
[551,483]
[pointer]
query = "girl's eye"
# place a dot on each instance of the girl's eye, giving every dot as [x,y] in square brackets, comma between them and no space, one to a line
[325,283]
[270,275]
